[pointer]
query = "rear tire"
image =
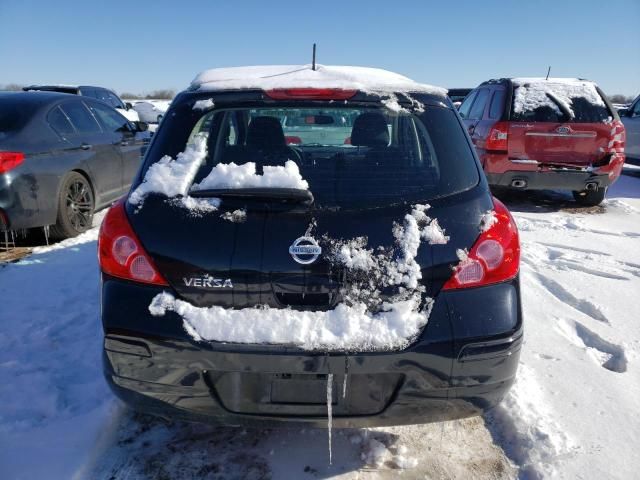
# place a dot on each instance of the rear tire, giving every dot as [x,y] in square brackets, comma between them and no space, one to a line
[590,198]
[76,205]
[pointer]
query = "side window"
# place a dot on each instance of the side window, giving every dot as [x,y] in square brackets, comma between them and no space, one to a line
[497,105]
[636,109]
[89,92]
[80,117]
[114,101]
[478,106]
[59,122]
[102,95]
[466,105]
[111,120]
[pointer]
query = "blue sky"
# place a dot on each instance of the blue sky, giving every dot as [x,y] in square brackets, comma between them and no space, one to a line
[140,46]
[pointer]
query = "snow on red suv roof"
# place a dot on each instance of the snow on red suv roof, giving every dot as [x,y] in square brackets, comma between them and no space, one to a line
[269,77]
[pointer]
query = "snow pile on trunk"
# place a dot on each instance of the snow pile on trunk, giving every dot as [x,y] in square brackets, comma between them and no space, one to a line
[366,320]
[488,220]
[371,80]
[172,177]
[197,206]
[237,216]
[230,175]
[343,328]
[532,93]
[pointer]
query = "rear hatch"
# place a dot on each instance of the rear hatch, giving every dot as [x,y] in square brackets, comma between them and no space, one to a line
[559,123]
[247,253]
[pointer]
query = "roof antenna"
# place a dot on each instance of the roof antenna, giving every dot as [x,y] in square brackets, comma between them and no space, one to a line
[313,65]
[548,72]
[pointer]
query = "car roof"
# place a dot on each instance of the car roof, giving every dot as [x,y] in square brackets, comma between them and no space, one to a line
[63,87]
[524,80]
[35,96]
[269,77]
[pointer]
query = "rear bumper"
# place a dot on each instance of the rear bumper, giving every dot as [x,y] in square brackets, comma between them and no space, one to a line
[548,180]
[462,364]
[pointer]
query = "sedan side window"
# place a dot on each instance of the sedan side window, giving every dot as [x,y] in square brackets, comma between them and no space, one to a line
[466,105]
[80,117]
[636,110]
[59,122]
[111,120]
[478,106]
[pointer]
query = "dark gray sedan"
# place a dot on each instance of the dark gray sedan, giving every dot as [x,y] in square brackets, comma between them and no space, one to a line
[62,157]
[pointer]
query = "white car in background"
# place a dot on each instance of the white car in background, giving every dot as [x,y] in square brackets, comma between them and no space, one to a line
[151,111]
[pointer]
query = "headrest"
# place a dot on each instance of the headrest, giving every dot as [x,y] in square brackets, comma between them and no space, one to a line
[370,130]
[265,133]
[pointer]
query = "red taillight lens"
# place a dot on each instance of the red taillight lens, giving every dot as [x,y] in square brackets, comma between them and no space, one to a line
[617,138]
[120,252]
[10,160]
[494,258]
[310,94]
[293,140]
[498,138]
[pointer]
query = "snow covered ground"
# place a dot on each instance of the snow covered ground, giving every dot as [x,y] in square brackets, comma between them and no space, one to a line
[573,413]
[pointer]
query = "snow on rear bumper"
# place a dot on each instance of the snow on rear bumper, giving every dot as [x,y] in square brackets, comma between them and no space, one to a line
[455,368]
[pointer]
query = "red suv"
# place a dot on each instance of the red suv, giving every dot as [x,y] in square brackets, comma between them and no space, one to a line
[537,133]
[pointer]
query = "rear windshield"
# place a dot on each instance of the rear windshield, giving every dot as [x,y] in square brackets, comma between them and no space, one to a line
[350,156]
[14,114]
[548,102]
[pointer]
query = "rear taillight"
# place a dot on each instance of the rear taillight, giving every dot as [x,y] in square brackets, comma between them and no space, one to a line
[10,160]
[120,252]
[494,258]
[498,138]
[616,138]
[293,140]
[310,94]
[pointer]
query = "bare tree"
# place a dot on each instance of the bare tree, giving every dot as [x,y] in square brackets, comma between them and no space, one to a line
[617,98]
[12,87]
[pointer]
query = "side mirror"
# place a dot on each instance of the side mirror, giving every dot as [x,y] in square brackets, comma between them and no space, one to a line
[623,112]
[128,105]
[141,126]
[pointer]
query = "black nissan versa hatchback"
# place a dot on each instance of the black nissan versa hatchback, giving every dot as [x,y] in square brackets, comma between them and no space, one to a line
[371,278]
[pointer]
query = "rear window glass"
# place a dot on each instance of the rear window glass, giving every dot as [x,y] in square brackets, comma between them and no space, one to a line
[478,106]
[549,102]
[350,156]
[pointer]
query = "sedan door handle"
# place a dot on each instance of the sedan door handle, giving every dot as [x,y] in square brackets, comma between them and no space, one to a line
[124,143]
[85,146]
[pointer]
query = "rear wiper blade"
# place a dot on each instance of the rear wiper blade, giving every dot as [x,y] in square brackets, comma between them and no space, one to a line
[285,194]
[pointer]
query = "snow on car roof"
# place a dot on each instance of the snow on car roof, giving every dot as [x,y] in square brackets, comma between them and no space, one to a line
[303,76]
[551,80]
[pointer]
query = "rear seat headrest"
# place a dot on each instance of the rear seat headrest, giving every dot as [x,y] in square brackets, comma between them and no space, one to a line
[265,133]
[370,130]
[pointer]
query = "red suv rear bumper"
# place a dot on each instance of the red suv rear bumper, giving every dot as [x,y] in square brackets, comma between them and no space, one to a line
[502,171]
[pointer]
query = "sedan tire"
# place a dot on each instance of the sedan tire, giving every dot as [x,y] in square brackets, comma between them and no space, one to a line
[76,205]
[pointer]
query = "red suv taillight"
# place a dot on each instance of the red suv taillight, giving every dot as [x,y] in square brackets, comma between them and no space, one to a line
[10,160]
[498,138]
[120,252]
[494,258]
